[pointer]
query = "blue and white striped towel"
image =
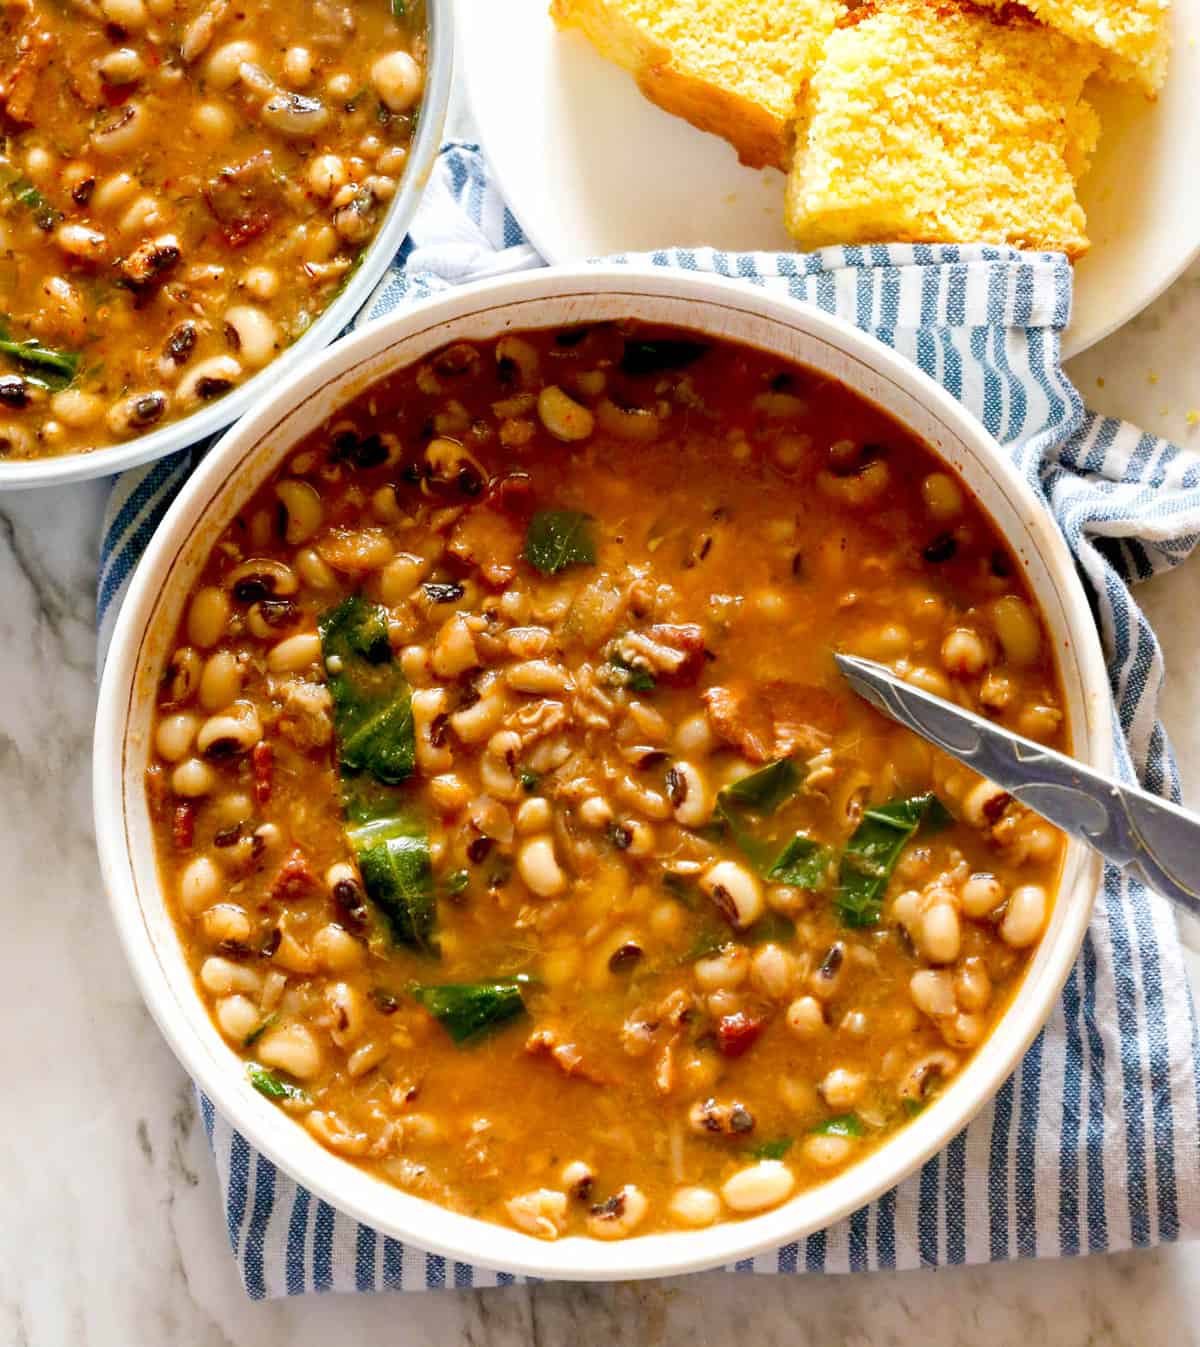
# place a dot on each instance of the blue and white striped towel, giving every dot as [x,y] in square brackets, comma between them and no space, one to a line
[1094,1144]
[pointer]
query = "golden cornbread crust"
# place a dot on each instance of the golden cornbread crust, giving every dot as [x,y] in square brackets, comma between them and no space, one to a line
[1132,35]
[732,67]
[943,121]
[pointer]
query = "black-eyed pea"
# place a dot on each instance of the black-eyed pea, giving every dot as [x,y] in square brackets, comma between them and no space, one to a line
[1024,916]
[429,713]
[291,1048]
[192,779]
[562,416]
[347,1013]
[209,379]
[700,1071]
[637,424]
[943,496]
[932,992]
[887,641]
[220,681]
[482,718]
[997,690]
[533,815]
[721,1003]
[335,1133]
[560,966]
[398,80]
[642,839]
[1039,722]
[691,800]
[1042,843]
[963,1030]
[313,571]
[237,1017]
[983,804]
[292,955]
[222,977]
[694,736]
[231,732]
[299,67]
[667,920]
[295,653]
[799,1095]
[336,950]
[1018,630]
[366,1057]
[940,933]
[223,67]
[226,924]
[208,616]
[826,979]
[578,1179]
[416,665]
[619,1215]
[497,763]
[773,971]
[842,1089]
[973,984]
[964,653]
[200,885]
[724,970]
[651,803]
[303,512]
[540,677]
[981,895]
[736,892]
[806,1018]
[758,1187]
[174,735]
[695,1207]
[542,1212]
[928,680]
[827,1151]
[454,650]
[539,868]
[595,812]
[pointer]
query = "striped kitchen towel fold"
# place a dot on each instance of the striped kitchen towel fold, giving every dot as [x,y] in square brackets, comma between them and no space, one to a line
[1094,1143]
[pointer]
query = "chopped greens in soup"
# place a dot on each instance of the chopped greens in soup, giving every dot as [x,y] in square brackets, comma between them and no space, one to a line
[184,186]
[520,832]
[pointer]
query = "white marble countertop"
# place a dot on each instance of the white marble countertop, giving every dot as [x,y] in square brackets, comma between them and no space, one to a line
[110,1226]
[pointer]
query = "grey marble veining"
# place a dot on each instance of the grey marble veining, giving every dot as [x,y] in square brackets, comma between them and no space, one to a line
[110,1228]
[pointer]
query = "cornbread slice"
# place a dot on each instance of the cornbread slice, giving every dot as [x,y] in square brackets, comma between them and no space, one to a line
[733,67]
[940,121]
[1131,34]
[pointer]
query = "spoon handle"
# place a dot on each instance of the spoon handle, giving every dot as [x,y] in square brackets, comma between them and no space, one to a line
[1146,836]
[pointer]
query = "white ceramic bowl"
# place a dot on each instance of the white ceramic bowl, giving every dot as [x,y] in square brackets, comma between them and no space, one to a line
[252,451]
[20,474]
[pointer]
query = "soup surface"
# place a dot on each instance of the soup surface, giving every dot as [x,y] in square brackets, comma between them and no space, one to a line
[184,186]
[519,830]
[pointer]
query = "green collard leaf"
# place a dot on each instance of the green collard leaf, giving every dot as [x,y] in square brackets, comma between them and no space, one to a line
[557,539]
[844,1125]
[623,674]
[775,1149]
[372,702]
[803,863]
[762,792]
[468,1010]
[274,1086]
[42,365]
[25,194]
[873,850]
[397,870]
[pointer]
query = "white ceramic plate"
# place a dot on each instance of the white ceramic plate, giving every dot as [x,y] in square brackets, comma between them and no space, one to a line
[590,167]
[248,455]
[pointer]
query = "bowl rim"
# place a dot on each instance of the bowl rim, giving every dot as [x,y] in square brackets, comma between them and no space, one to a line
[197,426]
[466,1238]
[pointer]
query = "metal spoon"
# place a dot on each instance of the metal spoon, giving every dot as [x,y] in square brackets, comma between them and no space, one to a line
[1150,838]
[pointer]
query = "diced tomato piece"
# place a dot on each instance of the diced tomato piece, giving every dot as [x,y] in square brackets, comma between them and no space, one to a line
[736,1033]
[183,825]
[262,761]
[688,639]
[296,878]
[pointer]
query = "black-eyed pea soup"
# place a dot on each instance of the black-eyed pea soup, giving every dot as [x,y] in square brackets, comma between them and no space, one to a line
[184,186]
[522,837]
